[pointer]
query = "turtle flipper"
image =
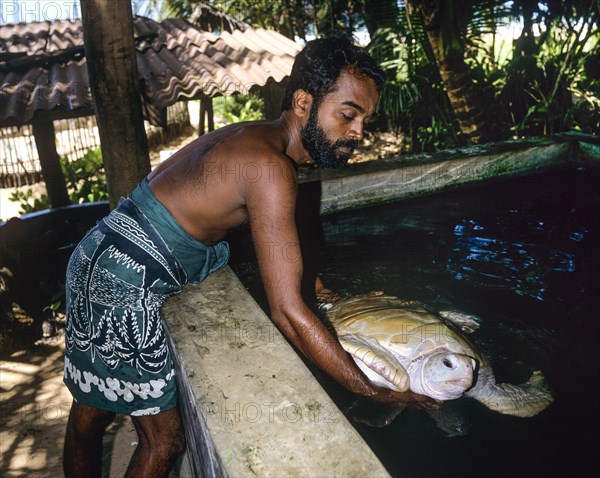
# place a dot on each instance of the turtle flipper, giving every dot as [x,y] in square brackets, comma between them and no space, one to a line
[377,415]
[452,418]
[369,352]
[465,322]
[525,400]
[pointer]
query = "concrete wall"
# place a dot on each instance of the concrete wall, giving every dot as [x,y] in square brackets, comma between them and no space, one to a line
[403,177]
[251,406]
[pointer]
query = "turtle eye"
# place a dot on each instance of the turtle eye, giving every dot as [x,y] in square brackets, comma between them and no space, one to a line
[447,362]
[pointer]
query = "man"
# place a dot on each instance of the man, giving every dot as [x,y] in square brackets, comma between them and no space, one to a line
[170,231]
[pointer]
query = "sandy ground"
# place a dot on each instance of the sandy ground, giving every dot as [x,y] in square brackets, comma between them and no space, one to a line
[34,403]
[34,411]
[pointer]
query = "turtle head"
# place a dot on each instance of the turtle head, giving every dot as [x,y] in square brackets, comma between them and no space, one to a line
[443,376]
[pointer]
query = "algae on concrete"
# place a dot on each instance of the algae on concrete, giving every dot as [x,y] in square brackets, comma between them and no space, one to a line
[403,177]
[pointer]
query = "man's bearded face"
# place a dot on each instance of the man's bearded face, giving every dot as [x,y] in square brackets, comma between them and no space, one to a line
[325,153]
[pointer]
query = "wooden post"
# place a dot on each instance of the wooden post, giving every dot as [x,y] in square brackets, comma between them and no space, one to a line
[111,62]
[210,113]
[45,142]
[206,112]
[272,94]
[201,116]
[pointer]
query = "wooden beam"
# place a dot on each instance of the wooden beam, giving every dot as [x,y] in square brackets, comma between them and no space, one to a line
[114,80]
[58,113]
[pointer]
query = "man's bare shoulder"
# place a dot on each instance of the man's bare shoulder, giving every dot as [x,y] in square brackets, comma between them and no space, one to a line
[256,139]
[260,149]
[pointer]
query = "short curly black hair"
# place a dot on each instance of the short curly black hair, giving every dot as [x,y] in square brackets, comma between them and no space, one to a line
[319,64]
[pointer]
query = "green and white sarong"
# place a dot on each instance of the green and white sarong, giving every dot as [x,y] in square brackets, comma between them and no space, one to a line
[118,277]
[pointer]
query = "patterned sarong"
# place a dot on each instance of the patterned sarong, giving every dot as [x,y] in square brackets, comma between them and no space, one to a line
[118,277]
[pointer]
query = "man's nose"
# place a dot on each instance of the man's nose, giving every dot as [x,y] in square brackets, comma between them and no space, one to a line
[356,131]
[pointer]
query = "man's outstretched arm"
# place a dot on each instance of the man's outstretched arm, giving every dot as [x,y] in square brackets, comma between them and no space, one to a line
[270,205]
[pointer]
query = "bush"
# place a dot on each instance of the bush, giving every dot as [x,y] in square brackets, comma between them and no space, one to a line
[84,178]
[237,108]
[29,203]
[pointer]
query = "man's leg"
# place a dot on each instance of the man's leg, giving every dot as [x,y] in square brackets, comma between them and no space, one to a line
[161,440]
[83,441]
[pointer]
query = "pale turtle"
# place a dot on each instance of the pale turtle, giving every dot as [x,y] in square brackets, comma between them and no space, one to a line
[401,345]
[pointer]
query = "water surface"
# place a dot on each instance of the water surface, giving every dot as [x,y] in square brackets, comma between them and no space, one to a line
[522,255]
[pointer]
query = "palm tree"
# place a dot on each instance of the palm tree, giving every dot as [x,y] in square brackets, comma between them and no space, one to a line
[445,23]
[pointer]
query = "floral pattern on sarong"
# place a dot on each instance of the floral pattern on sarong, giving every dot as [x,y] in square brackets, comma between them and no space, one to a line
[117,280]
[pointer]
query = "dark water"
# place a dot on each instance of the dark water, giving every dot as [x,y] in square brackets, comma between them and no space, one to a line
[524,257]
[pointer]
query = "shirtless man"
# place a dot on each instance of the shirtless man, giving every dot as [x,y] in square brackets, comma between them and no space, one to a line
[116,359]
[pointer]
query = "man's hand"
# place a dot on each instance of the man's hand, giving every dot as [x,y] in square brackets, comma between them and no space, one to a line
[324,294]
[409,399]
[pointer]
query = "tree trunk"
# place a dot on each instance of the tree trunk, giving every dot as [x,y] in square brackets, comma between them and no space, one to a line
[111,62]
[381,14]
[462,92]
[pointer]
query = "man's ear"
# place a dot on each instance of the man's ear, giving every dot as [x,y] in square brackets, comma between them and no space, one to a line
[301,102]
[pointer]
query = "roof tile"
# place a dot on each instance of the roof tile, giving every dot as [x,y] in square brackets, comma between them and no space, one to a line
[176,61]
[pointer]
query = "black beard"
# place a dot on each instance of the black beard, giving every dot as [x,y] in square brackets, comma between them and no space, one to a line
[321,150]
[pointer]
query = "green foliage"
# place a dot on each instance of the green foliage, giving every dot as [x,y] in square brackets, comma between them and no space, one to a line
[543,82]
[547,84]
[84,178]
[433,137]
[28,202]
[289,17]
[54,307]
[237,108]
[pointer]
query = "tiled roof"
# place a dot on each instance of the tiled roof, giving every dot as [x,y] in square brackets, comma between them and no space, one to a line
[42,65]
